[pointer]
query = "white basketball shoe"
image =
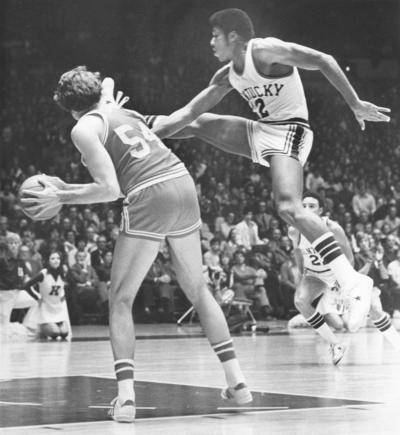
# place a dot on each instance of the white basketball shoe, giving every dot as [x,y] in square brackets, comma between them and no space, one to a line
[123,413]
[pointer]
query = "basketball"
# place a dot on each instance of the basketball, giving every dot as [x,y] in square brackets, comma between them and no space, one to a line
[34,183]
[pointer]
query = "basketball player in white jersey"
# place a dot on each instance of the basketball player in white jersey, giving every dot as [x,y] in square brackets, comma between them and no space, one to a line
[124,157]
[318,280]
[264,72]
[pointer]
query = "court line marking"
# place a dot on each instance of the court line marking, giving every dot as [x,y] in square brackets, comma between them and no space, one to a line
[110,406]
[112,376]
[3,402]
[180,417]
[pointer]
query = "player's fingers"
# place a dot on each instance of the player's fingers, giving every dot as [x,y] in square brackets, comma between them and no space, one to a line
[362,124]
[29,201]
[123,101]
[119,96]
[33,193]
[378,117]
[384,109]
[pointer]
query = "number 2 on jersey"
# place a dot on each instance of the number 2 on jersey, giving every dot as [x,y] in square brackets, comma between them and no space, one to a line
[139,145]
[262,112]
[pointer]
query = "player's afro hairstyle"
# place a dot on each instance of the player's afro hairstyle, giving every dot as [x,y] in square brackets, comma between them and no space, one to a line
[78,89]
[233,20]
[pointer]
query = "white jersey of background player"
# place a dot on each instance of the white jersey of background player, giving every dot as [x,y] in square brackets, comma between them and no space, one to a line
[318,279]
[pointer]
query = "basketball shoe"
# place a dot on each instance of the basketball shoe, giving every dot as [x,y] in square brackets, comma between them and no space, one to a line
[239,395]
[124,413]
[337,352]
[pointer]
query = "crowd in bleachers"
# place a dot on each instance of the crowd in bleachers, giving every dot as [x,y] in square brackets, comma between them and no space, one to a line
[357,174]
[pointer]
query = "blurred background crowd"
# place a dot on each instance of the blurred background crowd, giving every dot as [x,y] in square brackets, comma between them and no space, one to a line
[160,56]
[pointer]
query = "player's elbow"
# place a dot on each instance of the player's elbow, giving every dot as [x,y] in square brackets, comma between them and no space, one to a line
[111,191]
[324,61]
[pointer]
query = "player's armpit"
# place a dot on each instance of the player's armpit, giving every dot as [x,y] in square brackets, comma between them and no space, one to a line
[221,77]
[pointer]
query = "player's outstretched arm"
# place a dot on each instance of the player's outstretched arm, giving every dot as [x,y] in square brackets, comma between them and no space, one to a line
[273,50]
[204,101]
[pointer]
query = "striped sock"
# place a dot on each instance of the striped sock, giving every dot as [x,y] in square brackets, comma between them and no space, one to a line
[124,371]
[384,324]
[317,322]
[332,255]
[226,353]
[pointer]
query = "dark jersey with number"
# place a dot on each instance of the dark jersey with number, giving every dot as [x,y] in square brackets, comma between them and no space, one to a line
[139,156]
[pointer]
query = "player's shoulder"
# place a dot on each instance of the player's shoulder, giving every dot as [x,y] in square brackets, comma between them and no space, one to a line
[221,77]
[87,125]
[267,43]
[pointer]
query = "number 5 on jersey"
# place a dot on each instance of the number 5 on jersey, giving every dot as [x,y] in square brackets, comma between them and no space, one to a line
[139,145]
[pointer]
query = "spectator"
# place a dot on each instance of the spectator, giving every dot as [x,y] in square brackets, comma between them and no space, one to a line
[363,201]
[246,231]
[212,257]
[83,292]
[290,278]
[103,271]
[244,283]
[262,219]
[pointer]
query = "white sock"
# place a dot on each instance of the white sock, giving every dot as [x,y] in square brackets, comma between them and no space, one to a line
[317,322]
[331,255]
[124,371]
[384,324]
[226,354]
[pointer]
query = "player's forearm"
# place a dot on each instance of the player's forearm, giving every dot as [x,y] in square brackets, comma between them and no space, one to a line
[88,193]
[201,103]
[332,71]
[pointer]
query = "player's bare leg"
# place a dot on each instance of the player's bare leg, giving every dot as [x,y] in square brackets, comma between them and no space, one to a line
[187,262]
[308,290]
[132,260]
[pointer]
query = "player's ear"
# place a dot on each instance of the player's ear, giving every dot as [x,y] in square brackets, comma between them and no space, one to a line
[233,36]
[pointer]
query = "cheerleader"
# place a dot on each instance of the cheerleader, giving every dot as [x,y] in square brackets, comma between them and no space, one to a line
[52,311]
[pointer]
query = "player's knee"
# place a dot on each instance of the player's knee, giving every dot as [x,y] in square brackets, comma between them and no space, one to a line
[301,301]
[120,301]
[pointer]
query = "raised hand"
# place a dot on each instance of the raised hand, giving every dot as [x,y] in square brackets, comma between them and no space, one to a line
[107,93]
[365,111]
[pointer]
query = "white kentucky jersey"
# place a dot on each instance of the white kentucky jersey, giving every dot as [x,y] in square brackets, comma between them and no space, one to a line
[312,260]
[271,98]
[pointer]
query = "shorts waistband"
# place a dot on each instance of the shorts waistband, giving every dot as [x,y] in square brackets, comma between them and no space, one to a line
[180,172]
[301,121]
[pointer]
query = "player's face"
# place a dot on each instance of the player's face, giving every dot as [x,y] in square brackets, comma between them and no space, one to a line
[220,45]
[312,204]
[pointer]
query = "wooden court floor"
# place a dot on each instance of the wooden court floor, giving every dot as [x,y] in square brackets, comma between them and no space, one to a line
[59,387]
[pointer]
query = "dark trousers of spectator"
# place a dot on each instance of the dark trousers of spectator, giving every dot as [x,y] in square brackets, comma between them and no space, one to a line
[82,300]
[276,299]
[288,301]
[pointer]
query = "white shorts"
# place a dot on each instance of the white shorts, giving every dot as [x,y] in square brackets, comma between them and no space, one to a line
[291,138]
[328,278]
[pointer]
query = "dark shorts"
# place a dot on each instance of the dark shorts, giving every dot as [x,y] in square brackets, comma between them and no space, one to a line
[166,209]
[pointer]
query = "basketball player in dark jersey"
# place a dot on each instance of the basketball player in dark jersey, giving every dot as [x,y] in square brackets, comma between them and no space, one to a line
[125,157]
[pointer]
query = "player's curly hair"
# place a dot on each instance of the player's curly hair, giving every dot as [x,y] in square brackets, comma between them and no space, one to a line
[233,20]
[78,89]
